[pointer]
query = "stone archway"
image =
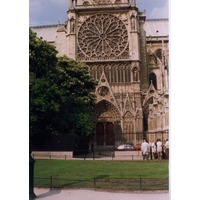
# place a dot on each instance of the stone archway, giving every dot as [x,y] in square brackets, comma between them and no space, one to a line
[107,118]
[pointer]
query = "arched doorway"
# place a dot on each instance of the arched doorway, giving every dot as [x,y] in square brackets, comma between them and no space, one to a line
[107,119]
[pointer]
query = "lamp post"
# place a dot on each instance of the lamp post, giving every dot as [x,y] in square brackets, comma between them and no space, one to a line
[32,195]
[31,175]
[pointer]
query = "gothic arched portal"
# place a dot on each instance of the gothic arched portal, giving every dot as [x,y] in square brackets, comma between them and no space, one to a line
[108,128]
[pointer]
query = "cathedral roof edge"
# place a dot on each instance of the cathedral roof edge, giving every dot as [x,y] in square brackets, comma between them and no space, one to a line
[80,9]
[157,19]
[47,26]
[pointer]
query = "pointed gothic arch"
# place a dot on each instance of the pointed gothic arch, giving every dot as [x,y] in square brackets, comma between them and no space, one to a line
[107,119]
[106,111]
[128,126]
[158,54]
[153,79]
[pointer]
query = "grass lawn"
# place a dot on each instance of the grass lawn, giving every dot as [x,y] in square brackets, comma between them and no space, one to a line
[82,173]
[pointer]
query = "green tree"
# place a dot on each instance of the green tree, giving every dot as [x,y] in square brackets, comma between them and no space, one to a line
[61,96]
[44,96]
[78,91]
[42,56]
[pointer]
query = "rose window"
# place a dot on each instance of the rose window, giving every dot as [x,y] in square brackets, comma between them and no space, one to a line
[102,36]
[103,91]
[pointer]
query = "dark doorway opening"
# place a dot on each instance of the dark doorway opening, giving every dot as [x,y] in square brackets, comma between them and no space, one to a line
[104,133]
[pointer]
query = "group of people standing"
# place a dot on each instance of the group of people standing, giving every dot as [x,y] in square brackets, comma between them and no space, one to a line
[156,150]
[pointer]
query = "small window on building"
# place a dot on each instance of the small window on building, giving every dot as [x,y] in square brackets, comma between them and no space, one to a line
[159,54]
[153,80]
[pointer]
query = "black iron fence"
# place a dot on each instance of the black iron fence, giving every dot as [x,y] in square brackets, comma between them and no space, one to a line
[104,183]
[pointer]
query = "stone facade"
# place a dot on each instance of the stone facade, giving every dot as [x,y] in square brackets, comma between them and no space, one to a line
[131,68]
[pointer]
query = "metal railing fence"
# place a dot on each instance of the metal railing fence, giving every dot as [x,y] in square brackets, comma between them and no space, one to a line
[126,184]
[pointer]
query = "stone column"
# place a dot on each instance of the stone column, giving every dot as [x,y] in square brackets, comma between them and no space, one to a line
[132,2]
[70,3]
[143,65]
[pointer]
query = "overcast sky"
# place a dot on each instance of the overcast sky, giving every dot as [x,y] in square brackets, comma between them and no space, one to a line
[46,12]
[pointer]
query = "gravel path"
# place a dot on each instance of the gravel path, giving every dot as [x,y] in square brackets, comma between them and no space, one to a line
[46,194]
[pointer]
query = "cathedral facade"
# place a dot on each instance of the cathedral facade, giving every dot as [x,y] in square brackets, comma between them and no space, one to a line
[128,56]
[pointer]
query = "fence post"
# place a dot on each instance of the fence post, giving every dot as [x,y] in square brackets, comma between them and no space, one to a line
[94,183]
[51,182]
[113,153]
[31,176]
[140,183]
[93,156]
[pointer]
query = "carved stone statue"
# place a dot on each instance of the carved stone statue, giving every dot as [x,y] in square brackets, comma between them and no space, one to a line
[132,23]
[135,74]
[72,25]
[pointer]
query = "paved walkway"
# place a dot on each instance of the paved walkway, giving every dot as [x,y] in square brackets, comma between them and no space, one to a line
[46,194]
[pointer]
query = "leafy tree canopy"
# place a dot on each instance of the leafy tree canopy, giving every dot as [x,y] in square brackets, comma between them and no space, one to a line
[62,94]
[42,56]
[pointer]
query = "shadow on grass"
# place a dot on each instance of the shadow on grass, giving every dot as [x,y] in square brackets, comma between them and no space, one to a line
[101,177]
[79,182]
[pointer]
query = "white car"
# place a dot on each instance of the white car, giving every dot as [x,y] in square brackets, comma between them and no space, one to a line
[125,147]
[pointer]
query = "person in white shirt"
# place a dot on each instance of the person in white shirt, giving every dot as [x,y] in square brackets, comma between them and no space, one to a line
[159,148]
[167,149]
[154,150]
[145,148]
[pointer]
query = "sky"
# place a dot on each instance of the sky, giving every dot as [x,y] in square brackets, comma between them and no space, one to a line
[46,12]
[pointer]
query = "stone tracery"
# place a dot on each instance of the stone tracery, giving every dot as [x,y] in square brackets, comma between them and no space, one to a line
[114,72]
[107,112]
[102,1]
[102,36]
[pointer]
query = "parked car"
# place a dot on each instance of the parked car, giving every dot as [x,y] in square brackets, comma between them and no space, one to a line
[137,147]
[125,147]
